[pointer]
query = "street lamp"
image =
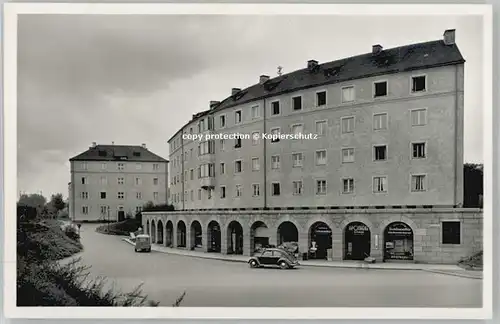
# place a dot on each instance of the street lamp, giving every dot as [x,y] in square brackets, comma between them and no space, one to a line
[108,219]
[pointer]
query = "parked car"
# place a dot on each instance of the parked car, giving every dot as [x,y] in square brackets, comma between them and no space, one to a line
[273,257]
[142,243]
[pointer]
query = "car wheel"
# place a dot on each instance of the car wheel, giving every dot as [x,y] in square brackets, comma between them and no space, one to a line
[253,264]
[283,265]
[135,250]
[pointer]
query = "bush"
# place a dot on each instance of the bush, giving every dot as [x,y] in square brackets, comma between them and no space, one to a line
[72,232]
[474,262]
[120,228]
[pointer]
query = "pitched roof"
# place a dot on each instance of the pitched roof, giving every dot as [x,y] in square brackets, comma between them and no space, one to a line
[394,60]
[131,153]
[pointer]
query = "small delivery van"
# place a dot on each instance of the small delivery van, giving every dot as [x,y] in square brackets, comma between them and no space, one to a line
[142,243]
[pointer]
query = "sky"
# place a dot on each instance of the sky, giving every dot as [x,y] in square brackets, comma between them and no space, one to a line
[138,78]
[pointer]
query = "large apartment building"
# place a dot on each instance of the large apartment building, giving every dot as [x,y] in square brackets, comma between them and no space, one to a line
[387,130]
[109,182]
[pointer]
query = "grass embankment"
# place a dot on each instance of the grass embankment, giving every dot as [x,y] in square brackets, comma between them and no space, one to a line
[43,281]
[474,262]
[120,228]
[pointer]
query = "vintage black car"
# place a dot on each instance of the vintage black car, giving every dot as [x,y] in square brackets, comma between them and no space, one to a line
[273,257]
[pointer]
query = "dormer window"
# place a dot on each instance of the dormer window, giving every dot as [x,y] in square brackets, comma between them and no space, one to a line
[102,153]
[137,153]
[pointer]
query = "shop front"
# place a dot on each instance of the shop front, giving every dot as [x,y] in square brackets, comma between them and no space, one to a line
[357,241]
[320,241]
[214,237]
[398,242]
[260,238]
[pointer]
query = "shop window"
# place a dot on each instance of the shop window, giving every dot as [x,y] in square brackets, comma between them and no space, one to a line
[451,232]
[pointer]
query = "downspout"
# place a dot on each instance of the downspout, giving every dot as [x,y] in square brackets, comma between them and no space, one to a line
[265,157]
[182,169]
[457,141]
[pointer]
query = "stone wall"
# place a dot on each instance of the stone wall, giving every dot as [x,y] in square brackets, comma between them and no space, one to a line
[425,224]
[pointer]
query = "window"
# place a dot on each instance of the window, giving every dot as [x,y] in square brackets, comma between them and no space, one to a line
[199,194]
[104,210]
[380,89]
[206,170]
[297,188]
[201,126]
[418,150]
[104,165]
[380,152]
[155,195]
[85,166]
[321,187]
[348,94]
[347,155]
[223,192]
[192,195]
[379,184]
[256,190]
[191,174]
[121,166]
[321,128]
[297,103]
[321,157]
[237,166]
[275,108]
[255,112]
[418,83]
[347,125]
[85,210]
[237,117]
[418,117]
[275,162]
[156,167]
[275,133]
[297,129]
[275,189]
[121,181]
[297,159]
[121,195]
[155,180]
[255,138]
[222,121]
[191,130]
[380,121]
[85,195]
[84,180]
[237,143]
[103,195]
[191,153]
[138,166]
[138,181]
[347,185]
[255,164]
[320,98]
[138,209]
[222,168]
[451,232]
[104,181]
[185,175]
[138,195]
[209,193]
[222,145]
[418,182]
[239,191]
[210,124]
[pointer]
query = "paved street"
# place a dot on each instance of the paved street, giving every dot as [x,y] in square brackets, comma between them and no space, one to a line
[220,283]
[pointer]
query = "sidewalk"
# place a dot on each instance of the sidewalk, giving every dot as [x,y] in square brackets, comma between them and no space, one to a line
[448,269]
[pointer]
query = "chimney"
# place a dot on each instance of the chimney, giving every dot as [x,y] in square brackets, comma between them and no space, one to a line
[376,49]
[311,64]
[449,37]
[143,145]
[213,104]
[235,91]
[94,144]
[263,79]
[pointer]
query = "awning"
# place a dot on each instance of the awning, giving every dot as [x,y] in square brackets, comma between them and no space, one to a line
[262,232]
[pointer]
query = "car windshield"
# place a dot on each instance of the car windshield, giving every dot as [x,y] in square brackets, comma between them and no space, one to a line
[142,239]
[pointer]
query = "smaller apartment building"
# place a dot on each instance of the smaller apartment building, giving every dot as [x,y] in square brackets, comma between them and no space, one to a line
[109,182]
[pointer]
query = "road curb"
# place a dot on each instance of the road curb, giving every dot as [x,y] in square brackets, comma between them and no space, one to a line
[462,275]
[340,266]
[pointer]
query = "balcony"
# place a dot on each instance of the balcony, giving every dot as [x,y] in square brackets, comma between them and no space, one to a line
[207,182]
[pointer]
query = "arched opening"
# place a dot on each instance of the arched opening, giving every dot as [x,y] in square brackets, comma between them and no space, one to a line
[213,237]
[147,227]
[196,239]
[320,241]
[153,232]
[357,241]
[398,242]
[288,237]
[259,236]
[169,239]
[181,234]
[234,238]
[159,227]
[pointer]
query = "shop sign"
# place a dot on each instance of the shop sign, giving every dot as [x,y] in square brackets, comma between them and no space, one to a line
[400,229]
[359,229]
[322,230]
[400,256]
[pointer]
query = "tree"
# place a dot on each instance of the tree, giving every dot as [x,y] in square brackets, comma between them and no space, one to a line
[56,204]
[473,185]
[32,200]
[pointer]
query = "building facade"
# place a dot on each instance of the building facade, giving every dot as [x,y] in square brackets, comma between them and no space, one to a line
[111,182]
[373,143]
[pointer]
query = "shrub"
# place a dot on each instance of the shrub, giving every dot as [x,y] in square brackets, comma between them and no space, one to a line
[72,232]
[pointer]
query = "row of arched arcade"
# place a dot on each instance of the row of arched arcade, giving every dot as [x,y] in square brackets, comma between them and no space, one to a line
[355,240]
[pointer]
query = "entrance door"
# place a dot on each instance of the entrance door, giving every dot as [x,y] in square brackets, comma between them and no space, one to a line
[121,215]
[357,241]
